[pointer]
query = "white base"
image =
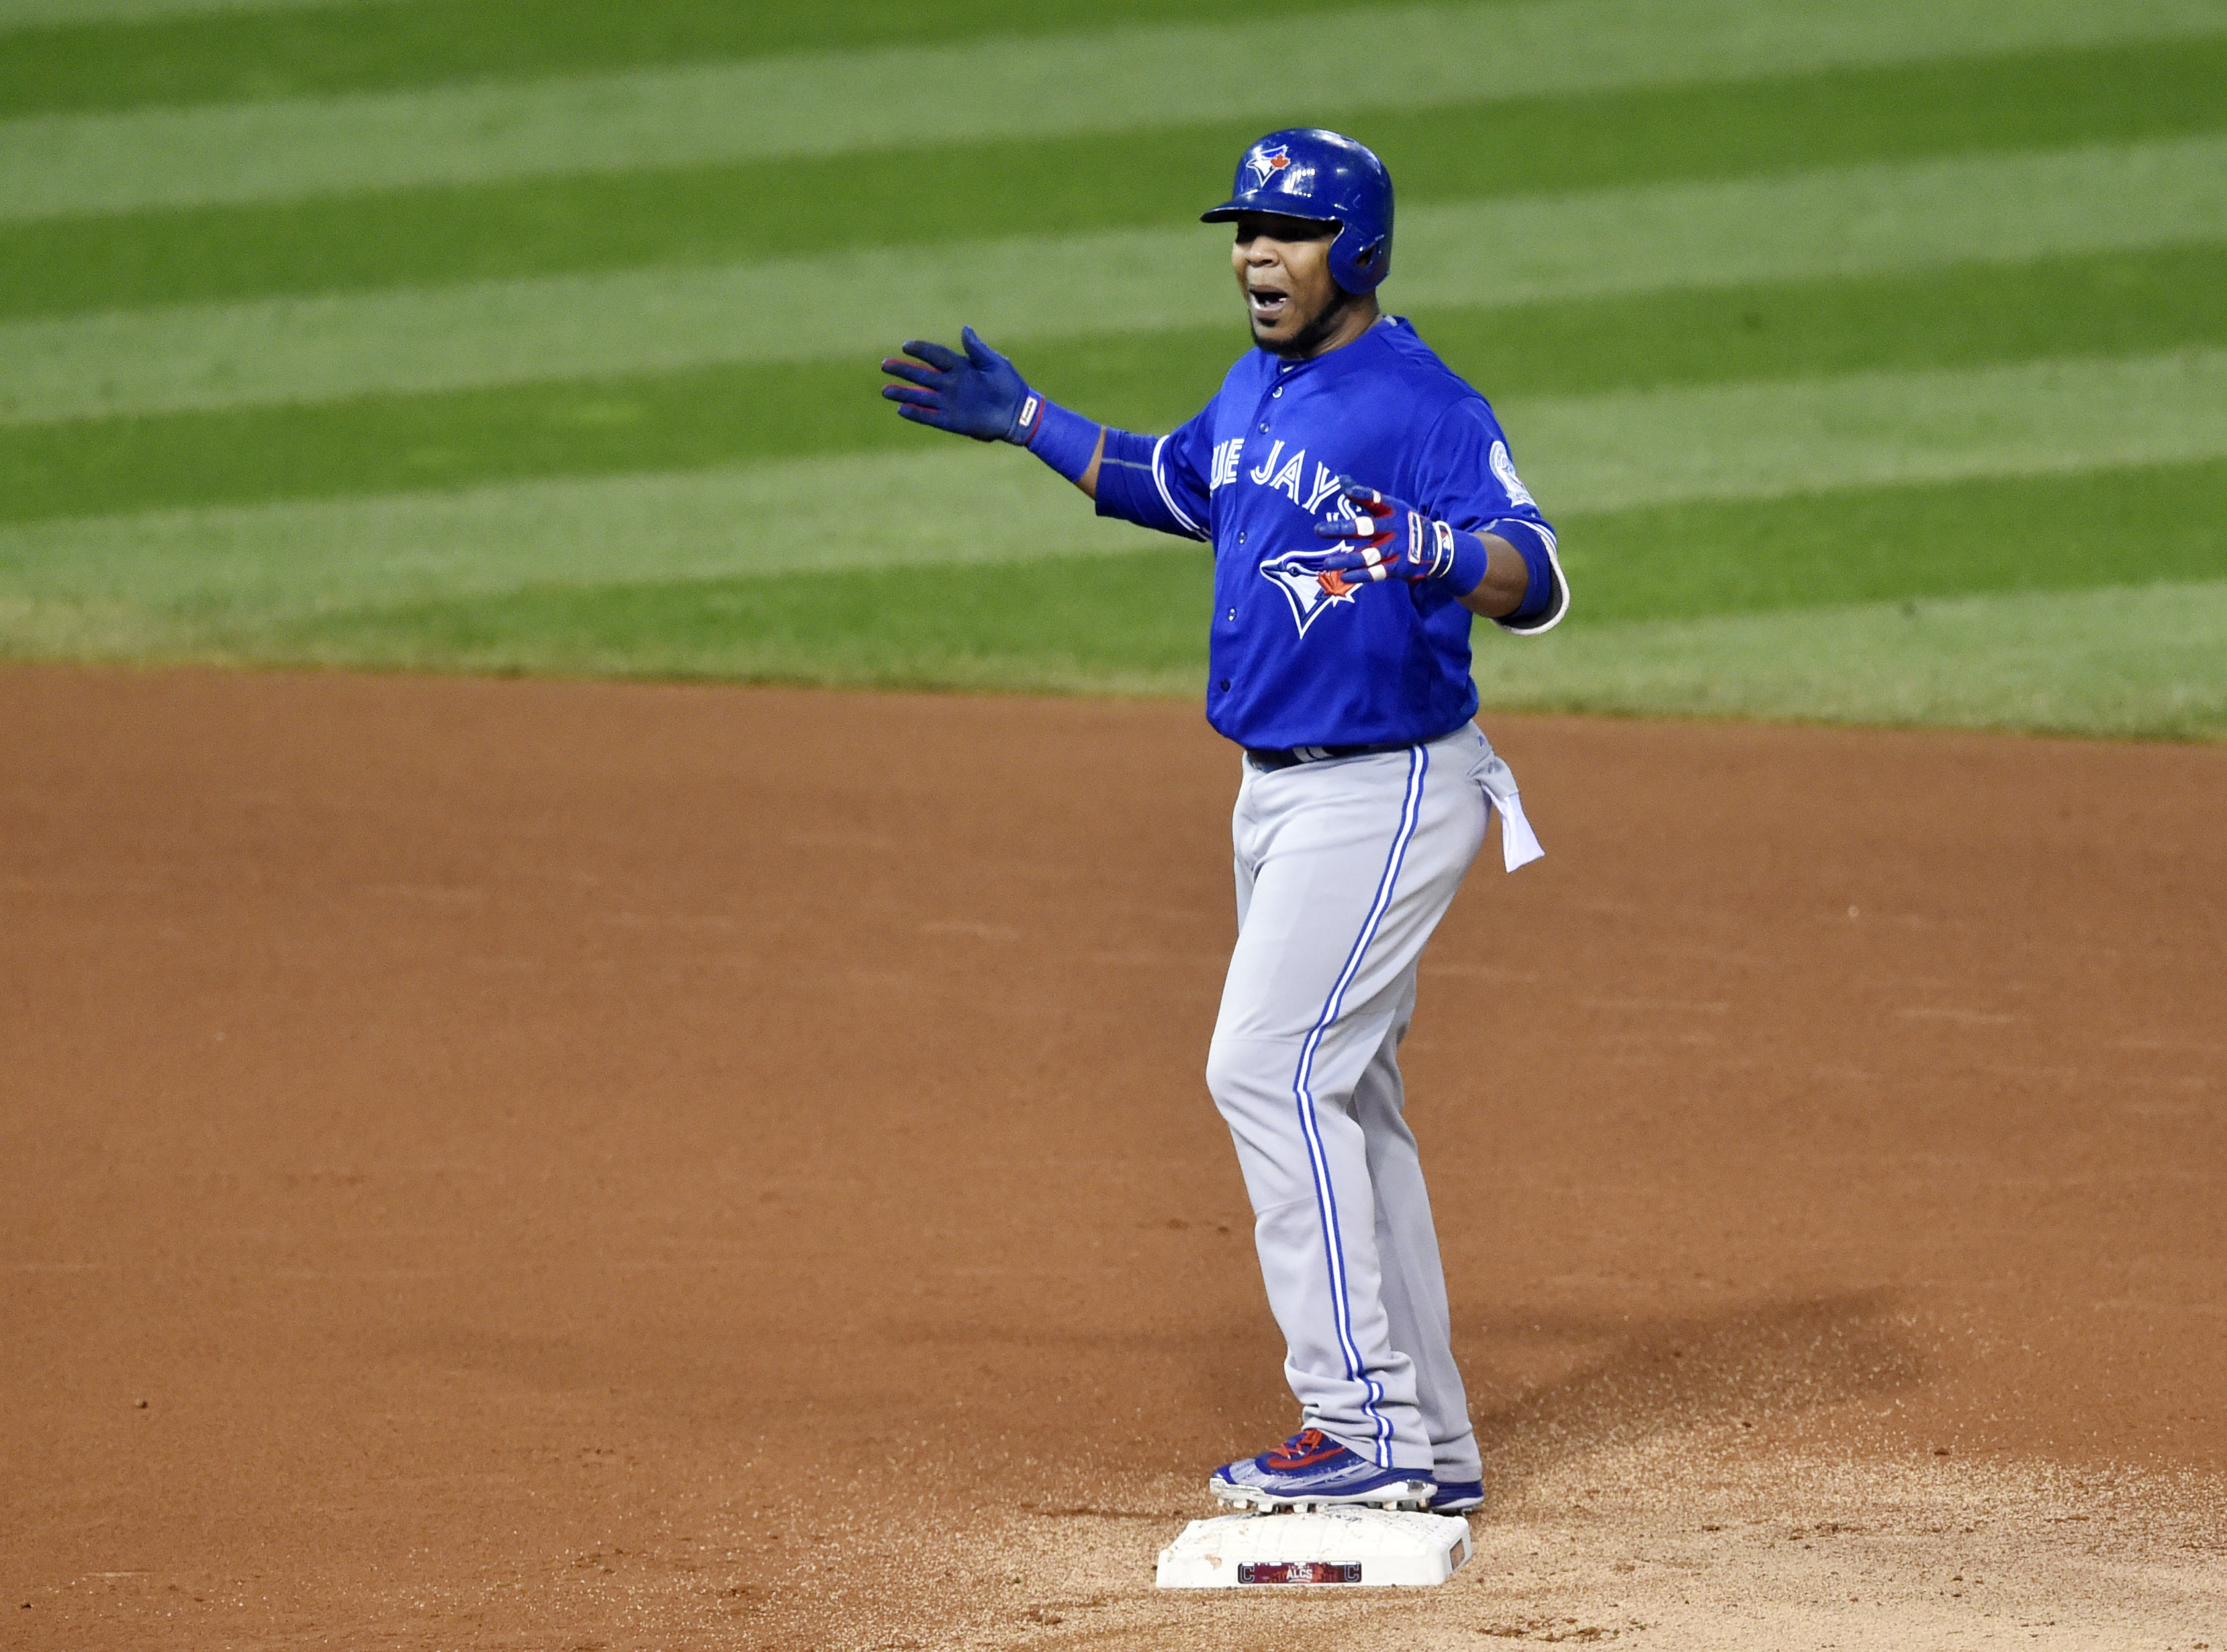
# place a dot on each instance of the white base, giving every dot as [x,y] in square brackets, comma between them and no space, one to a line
[1328,1548]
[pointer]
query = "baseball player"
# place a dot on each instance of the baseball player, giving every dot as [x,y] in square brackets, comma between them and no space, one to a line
[1361,506]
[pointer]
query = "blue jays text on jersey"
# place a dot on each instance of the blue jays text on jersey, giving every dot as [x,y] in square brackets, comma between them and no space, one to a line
[1290,665]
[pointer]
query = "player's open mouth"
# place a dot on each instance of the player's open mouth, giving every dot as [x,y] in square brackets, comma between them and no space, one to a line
[1267,304]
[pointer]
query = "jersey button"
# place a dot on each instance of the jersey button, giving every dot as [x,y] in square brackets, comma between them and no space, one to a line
[1240,538]
[1225,684]
[1233,612]
[1263,427]
[1277,391]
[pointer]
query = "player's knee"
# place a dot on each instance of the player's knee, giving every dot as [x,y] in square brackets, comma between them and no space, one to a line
[1239,1077]
[1222,1072]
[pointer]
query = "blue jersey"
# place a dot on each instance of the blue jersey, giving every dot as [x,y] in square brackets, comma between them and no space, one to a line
[1288,664]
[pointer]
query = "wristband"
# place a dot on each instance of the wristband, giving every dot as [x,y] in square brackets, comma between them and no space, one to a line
[1065,440]
[1534,543]
[1469,562]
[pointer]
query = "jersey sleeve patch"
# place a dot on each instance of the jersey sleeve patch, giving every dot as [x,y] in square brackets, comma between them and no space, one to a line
[1504,467]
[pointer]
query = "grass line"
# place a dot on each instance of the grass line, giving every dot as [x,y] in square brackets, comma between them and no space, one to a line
[1119,81]
[1856,220]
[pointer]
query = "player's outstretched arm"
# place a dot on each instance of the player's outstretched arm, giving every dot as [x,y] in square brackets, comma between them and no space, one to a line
[975,392]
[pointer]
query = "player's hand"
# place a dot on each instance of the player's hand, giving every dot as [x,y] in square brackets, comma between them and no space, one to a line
[1380,538]
[977,394]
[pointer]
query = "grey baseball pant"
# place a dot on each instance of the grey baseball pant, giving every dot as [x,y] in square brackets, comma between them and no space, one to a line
[1343,869]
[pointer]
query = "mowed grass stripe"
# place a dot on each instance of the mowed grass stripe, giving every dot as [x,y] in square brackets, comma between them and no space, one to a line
[940,506]
[713,216]
[955,502]
[1113,81]
[2100,304]
[1860,219]
[25,15]
[120,53]
[1899,540]
[2142,660]
[1754,441]
[1121,623]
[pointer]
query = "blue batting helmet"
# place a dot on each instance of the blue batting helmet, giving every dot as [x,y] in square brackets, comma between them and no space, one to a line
[1305,172]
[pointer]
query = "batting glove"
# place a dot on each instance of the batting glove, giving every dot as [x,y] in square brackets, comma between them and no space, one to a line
[978,393]
[1387,539]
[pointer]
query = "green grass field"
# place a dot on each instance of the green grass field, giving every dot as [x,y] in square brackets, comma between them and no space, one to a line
[1871,358]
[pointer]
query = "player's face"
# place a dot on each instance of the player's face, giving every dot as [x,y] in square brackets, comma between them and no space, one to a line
[1282,268]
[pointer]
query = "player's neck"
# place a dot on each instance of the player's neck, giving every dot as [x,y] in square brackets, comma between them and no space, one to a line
[1347,323]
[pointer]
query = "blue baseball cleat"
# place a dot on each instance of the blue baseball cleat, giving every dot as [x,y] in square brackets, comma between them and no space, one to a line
[1456,1496]
[1311,1471]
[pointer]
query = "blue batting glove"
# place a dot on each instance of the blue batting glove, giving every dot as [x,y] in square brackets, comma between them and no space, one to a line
[1382,538]
[978,393]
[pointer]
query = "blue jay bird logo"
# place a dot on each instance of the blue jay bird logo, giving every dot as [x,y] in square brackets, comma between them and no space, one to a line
[1312,593]
[1312,589]
[1265,164]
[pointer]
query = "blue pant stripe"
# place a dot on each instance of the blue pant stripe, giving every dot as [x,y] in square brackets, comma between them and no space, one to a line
[1411,809]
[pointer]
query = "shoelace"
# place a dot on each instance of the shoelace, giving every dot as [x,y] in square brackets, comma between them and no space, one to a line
[1304,1450]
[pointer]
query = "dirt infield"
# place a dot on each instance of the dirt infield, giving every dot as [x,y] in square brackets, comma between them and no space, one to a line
[546,1165]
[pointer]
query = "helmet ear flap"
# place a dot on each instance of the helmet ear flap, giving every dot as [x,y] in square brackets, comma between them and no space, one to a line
[1363,268]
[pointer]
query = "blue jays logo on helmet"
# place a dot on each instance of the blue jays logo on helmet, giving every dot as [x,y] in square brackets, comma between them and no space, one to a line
[1264,162]
[1306,172]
